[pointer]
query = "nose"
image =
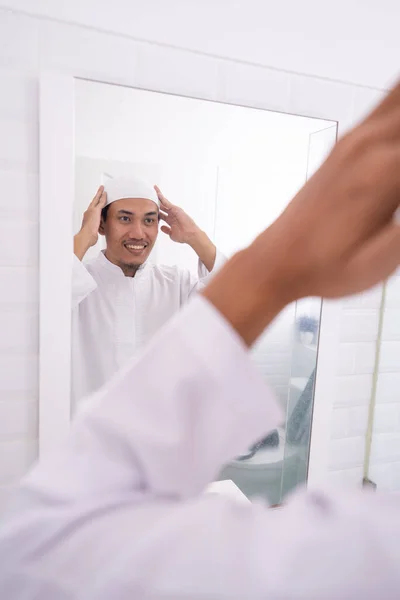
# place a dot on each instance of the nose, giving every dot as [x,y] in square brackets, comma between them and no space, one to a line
[136,230]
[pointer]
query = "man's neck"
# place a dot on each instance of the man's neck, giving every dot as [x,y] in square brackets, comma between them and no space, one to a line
[128,270]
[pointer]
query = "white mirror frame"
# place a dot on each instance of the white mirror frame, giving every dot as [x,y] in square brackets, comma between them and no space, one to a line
[57,100]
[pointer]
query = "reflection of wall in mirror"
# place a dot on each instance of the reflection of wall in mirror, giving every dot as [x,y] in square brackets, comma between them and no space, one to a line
[257,183]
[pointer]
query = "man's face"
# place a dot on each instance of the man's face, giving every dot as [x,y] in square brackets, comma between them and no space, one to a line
[131,230]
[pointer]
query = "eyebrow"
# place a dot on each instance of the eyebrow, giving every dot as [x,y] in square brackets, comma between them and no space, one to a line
[128,212]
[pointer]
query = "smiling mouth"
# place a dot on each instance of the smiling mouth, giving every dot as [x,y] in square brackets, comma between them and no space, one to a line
[135,248]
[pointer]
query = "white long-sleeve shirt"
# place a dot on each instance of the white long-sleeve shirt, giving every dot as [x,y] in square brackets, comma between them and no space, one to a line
[113,315]
[118,512]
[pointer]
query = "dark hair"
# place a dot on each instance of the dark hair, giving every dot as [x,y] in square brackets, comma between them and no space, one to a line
[104,212]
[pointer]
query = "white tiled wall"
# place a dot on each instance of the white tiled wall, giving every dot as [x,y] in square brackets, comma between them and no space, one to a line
[354,374]
[27,43]
[385,450]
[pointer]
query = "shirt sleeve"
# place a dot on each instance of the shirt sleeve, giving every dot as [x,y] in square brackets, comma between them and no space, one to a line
[190,285]
[172,418]
[204,273]
[118,511]
[82,282]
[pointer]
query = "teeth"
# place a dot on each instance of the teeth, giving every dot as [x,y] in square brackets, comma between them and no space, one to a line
[131,247]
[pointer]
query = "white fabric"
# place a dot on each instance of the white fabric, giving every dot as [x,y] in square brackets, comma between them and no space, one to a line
[114,315]
[118,513]
[118,188]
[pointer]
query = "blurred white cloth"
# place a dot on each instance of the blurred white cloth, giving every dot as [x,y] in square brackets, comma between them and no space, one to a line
[119,512]
[113,315]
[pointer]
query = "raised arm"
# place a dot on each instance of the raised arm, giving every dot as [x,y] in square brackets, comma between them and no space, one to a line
[181,228]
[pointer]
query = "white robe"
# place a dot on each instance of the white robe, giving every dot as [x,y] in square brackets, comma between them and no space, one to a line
[113,315]
[118,513]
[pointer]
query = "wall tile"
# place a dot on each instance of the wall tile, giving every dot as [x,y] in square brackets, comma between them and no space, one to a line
[372,298]
[385,418]
[365,357]
[19,41]
[352,302]
[21,152]
[385,448]
[388,387]
[381,474]
[389,357]
[395,471]
[353,390]
[20,285]
[393,293]
[254,86]
[391,325]
[359,326]
[177,72]
[19,327]
[346,453]
[324,99]
[358,420]
[87,53]
[346,477]
[19,95]
[340,423]
[20,196]
[346,359]
[19,243]
[366,100]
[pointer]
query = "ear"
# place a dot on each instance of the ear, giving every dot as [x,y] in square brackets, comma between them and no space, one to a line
[102,231]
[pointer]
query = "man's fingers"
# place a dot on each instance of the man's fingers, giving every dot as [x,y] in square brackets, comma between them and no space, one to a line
[166,204]
[97,197]
[166,229]
[163,216]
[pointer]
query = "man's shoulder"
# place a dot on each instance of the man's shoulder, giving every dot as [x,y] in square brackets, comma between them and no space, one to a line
[92,264]
[171,272]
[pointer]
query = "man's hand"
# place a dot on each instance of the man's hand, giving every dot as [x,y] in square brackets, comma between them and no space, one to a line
[182,229]
[89,232]
[337,237]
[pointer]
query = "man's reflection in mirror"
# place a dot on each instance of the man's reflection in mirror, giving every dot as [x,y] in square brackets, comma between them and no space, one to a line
[121,298]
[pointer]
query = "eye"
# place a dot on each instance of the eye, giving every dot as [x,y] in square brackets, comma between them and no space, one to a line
[149,221]
[124,219]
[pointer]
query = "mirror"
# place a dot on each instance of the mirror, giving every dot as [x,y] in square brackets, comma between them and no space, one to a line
[227,173]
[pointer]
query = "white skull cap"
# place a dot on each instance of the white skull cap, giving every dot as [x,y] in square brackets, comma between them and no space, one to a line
[118,188]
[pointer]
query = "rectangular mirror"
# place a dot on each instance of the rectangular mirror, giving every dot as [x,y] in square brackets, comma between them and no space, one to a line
[228,172]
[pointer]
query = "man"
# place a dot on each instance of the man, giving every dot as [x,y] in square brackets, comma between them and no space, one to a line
[119,511]
[120,299]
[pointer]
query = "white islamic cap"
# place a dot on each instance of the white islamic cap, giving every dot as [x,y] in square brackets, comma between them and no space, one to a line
[118,188]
